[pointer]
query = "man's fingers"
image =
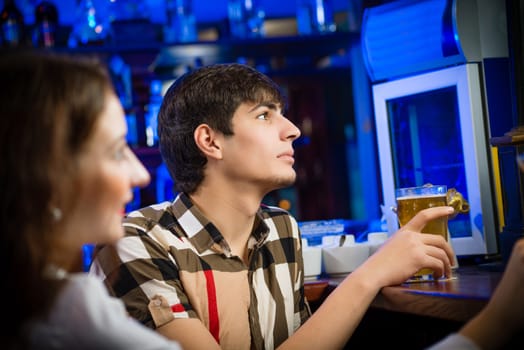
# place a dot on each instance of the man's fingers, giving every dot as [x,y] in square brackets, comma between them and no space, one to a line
[438,241]
[419,221]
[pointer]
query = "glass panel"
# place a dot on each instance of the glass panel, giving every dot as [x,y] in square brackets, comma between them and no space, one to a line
[427,145]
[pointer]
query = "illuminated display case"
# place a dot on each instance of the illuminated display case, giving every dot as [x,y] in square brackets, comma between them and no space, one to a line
[431,129]
[439,85]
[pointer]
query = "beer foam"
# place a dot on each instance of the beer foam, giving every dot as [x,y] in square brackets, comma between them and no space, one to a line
[421,196]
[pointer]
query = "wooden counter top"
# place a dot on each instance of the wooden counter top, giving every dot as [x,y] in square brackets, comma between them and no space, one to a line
[457,299]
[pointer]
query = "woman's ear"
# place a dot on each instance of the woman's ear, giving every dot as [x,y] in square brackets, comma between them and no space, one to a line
[207,141]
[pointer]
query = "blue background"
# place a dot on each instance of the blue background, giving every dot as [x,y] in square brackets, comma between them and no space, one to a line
[205,10]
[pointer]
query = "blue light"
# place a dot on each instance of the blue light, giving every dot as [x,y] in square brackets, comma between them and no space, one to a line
[409,36]
[87,256]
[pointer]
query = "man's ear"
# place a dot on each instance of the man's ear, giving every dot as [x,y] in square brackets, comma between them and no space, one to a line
[208,141]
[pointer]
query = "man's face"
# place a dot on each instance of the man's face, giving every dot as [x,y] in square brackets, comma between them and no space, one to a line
[260,153]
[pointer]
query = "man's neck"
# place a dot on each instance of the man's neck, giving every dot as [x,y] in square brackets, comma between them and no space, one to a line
[232,213]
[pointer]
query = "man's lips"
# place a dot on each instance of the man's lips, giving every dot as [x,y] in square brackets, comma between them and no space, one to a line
[288,156]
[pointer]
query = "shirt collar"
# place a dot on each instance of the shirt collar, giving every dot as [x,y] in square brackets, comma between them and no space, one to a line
[203,234]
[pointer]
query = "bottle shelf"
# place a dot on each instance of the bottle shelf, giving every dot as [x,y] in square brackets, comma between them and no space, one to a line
[268,54]
[295,54]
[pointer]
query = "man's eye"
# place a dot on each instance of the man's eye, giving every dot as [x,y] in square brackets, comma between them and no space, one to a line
[263,116]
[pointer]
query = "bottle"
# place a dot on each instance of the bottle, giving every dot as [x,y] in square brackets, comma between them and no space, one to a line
[46,21]
[120,72]
[246,18]
[181,23]
[151,112]
[12,25]
[315,17]
[89,27]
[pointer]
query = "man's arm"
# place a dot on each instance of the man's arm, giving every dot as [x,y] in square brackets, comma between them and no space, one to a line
[399,258]
[136,268]
[190,333]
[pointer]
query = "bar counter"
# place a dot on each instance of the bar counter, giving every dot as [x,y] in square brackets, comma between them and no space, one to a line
[415,315]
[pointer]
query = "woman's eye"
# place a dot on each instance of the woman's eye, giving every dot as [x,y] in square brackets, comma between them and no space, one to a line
[120,153]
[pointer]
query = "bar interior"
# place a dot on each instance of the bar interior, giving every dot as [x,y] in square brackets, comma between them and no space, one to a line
[387,94]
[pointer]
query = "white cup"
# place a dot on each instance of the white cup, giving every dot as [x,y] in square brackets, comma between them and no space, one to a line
[312,257]
[375,240]
[343,259]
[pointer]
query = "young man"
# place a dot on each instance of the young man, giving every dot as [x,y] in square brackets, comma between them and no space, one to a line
[215,268]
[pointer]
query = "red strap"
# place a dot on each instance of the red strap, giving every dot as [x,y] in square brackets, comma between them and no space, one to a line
[214,324]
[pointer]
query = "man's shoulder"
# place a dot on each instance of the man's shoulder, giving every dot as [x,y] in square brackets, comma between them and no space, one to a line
[147,236]
[273,210]
[147,217]
[279,220]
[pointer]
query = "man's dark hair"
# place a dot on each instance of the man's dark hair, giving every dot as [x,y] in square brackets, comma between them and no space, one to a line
[208,95]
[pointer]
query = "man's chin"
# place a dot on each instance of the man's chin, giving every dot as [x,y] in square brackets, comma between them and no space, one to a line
[286,182]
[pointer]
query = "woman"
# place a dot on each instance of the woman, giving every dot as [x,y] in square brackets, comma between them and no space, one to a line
[65,179]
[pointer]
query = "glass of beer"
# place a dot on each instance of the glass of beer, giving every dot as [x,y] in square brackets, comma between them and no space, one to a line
[410,201]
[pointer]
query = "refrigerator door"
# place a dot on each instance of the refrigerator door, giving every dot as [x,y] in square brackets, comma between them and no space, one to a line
[431,129]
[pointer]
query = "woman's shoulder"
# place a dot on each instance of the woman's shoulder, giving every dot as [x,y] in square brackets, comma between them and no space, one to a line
[87,296]
[86,316]
[85,286]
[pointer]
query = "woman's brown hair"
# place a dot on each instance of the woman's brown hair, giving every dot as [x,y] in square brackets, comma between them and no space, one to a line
[49,106]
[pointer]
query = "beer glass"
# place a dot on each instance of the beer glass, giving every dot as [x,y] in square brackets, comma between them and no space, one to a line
[410,201]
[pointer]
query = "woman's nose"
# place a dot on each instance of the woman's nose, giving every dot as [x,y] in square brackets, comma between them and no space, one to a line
[139,175]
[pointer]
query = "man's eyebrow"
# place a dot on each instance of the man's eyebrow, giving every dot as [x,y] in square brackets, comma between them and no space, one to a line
[270,105]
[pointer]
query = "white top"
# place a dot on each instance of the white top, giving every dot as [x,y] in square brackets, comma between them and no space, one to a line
[454,341]
[86,317]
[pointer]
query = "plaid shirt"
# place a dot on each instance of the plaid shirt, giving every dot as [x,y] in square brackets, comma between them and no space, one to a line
[171,249]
